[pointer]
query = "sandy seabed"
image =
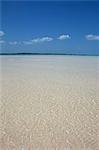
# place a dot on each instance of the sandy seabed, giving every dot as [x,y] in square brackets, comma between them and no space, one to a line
[49,103]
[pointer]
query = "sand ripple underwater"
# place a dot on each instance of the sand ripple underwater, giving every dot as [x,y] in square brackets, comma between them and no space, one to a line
[49,103]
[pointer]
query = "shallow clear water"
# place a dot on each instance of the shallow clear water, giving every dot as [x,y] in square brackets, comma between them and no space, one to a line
[49,102]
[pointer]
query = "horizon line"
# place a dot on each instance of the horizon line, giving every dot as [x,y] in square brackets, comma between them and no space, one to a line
[25,53]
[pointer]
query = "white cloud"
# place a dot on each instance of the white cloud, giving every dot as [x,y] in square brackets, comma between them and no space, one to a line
[46,39]
[27,42]
[2,42]
[43,39]
[64,37]
[92,37]
[1,33]
[36,40]
[13,43]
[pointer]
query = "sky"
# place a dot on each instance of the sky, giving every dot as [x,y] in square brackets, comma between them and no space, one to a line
[70,27]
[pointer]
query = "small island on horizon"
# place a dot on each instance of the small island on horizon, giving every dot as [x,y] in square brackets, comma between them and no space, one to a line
[26,53]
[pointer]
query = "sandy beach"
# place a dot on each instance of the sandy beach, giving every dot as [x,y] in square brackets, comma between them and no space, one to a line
[49,103]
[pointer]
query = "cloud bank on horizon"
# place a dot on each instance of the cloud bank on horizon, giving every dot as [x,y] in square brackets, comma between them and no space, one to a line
[45,39]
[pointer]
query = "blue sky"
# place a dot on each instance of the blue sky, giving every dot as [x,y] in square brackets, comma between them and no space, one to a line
[60,27]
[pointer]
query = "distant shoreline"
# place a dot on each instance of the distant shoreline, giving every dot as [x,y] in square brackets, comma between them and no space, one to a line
[47,54]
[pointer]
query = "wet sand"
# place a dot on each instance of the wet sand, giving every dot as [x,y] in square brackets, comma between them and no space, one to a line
[49,103]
